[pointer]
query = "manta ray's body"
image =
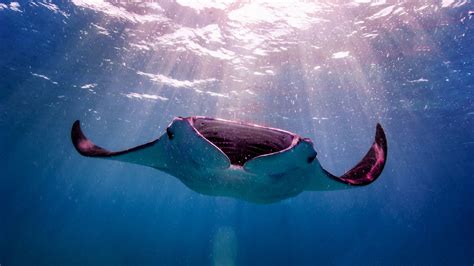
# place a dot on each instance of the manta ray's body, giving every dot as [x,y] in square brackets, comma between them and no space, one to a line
[226,158]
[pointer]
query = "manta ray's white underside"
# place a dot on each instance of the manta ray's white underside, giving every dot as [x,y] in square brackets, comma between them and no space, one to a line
[227,158]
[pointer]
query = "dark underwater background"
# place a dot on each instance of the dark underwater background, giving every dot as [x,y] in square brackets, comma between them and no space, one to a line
[327,70]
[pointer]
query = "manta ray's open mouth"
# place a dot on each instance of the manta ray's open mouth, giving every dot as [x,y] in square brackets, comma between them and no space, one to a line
[242,142]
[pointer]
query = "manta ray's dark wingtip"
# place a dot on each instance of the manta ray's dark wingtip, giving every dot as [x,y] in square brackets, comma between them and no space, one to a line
[371,166]
[83,145]
[381,140]
[77,136]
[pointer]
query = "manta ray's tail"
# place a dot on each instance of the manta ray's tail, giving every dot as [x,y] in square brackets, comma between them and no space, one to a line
[368,169]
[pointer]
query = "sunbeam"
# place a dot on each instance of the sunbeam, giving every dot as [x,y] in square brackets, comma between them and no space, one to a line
[327,70]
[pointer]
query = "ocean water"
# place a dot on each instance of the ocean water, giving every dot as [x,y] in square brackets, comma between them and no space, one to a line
[327,70]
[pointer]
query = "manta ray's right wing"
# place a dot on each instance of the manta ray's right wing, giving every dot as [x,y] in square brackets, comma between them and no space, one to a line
[151,154]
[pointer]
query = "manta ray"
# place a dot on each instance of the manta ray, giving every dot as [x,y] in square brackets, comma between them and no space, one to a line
[236,159]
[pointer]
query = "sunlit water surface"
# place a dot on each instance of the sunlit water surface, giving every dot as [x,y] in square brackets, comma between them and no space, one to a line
[327,70]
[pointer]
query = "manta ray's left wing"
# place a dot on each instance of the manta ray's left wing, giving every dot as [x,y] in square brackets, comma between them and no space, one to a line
[371,166]
[363,173]
[150,154]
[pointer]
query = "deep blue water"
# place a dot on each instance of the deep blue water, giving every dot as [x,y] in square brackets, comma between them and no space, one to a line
[329,71]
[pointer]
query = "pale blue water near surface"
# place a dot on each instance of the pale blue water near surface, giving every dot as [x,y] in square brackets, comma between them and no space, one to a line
[328,70]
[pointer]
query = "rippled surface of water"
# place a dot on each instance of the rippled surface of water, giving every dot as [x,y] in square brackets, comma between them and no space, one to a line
[327,70]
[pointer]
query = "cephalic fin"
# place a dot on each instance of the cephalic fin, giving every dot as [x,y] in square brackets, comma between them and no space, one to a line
[370,167]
